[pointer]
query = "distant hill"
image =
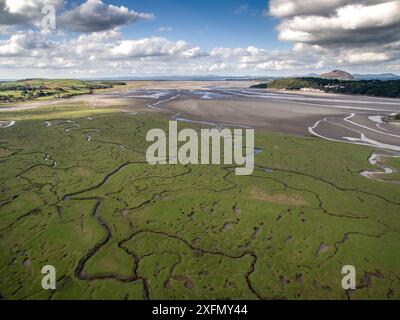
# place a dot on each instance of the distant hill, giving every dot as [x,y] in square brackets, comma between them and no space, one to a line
[32,89]
[337,74]
[381,76]
[376,88]
[343,75]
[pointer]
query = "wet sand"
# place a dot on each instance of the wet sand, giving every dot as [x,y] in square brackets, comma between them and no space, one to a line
[344,118]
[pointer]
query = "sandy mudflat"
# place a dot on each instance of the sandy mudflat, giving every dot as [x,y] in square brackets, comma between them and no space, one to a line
[121,95]
[275,116]
[179,85]
[345,118]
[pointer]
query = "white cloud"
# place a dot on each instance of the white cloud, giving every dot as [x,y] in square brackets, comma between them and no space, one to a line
[195,52]
[341,33]
[354,35]
[108,51]
[95,15]
[25,12]
[348,25]
[277,65]
[90,16]
[364,57]
[336,23]
[227,53]
[289,8]
[29,7]
[23,43]
[154,47]
[218,67]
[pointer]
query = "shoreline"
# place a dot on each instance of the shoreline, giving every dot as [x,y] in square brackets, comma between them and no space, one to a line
[325,94]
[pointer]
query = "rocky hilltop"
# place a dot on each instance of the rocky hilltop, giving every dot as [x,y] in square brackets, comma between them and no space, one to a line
[337,74]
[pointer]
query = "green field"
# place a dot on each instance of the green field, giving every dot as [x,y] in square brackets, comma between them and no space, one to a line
[41,89]
[395,163]
[80,196]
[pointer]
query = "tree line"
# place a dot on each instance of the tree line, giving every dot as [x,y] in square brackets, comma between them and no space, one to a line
[375,88]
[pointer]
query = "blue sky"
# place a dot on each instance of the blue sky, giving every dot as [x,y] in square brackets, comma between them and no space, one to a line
[96,38]
[208,23]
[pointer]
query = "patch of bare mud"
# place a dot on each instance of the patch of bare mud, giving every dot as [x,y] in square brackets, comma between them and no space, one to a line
[280,198]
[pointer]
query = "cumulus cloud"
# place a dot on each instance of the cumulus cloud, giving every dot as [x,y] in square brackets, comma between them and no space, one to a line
[228,52]
[339,22]
[290,8]
[23,43]
[6,17]
[218,67]
[325,35]
[90,16]
[108,51]
[97,52]
[154,47]
[95,15]
[344,32]
[25,12]
[349,25]
[257,59]
[323,42]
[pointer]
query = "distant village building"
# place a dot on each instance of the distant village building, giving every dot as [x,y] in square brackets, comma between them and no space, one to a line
[334,86]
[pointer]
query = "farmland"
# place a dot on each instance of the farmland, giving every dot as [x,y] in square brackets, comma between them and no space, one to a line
[41,89]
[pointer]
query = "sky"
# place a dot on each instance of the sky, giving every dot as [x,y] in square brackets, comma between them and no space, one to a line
[120,38]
